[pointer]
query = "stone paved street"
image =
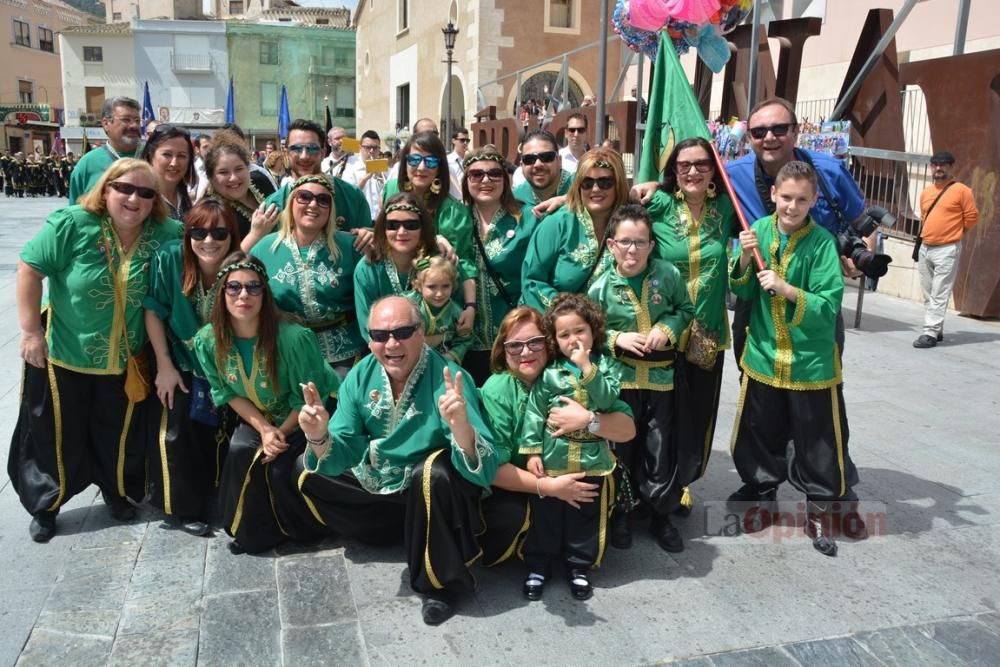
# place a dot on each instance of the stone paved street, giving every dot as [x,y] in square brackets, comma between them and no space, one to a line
[924,435]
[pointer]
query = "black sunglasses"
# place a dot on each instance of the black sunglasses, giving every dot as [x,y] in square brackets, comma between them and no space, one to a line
[779,130]
[546,157]
[128,190]
[516,347]
[576,130]
[603,183]
[701,166]
[253,288]
[409,225]
[399,333]
[201,233]
[304,197]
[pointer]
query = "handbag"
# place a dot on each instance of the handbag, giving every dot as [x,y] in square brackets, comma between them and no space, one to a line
[202,408]
[919,241]
[136,368]
[702,346]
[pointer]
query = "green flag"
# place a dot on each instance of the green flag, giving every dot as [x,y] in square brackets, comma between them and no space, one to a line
[674,114]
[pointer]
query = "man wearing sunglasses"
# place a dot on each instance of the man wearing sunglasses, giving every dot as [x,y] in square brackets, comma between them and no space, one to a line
[406,454]
[121,119]
[576,142]
[305,147]
[541,180]
[459,149]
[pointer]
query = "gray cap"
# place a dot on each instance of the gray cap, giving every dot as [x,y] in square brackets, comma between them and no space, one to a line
[943,157]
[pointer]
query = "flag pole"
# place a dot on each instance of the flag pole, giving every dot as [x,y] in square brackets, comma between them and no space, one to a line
[721,169]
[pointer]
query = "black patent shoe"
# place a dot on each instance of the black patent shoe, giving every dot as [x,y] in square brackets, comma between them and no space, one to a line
[121,509]
[533,587]
[666,534]
[621,531]
[236,549]
[43,527]
[436,610]
[193,526]
[756,505]
[579,584]
[818,528]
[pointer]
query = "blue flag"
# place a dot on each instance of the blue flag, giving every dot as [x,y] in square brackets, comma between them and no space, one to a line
[283,116]
[230,104]
[147,108]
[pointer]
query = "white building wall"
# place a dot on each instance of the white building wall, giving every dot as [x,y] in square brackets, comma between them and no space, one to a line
[116,74]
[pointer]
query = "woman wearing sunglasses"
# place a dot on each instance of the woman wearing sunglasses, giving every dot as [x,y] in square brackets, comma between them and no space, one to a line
[187,458]
[567,252]
[311,264]
[425,174]
[232,182]
[168,148]
[256,363]
[81,405]
[501,229]
[693,224]
[403,232]
[517,359]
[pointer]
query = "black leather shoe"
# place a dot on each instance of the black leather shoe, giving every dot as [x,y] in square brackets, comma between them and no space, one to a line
[940,337]
[621,532]
[236,549]
[43,527]
[853,526]
[756,506]
[533,587]
[436,610]
[667,536]
[579,584]
[925,342]
[818,528]
[195,527]
[120,508]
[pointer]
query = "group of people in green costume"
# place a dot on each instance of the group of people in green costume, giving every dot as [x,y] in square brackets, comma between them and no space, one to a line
[593,327]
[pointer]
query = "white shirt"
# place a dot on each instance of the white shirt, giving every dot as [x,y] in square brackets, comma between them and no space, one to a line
[351,165]
[456,170]
[569,161]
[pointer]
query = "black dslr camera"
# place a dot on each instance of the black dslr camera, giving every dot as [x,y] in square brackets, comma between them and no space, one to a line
[851,242]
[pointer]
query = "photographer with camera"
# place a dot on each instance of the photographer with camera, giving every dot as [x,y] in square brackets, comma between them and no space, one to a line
[773,130]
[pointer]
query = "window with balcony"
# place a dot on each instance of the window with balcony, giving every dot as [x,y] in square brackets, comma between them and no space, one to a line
[93,54]
[268,99]
[45,41]
[345,101]
[344,58]
[22,33]
[25,92]
[268,53]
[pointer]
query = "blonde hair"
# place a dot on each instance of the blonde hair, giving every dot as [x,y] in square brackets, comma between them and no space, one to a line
[95,200]
[424,265]
[574,201]
[286,225]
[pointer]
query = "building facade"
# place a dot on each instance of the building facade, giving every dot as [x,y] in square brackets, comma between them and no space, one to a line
[314,63]
[401,50]
[31,98]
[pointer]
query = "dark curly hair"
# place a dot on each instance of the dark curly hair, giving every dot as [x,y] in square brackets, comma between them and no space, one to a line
[566,304]
[670,170]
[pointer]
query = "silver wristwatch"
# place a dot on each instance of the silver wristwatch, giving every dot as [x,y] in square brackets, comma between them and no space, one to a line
[595,423]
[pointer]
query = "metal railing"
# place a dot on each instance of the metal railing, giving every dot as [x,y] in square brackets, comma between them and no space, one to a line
[893,180]
[185,62]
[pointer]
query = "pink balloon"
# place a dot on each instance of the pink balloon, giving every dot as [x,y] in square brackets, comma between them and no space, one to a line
[692,11]
[649,15]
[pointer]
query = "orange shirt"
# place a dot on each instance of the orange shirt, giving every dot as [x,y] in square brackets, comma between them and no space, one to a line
[952,216]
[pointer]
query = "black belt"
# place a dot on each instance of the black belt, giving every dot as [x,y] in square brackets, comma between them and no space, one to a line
[327,325]
[655,355]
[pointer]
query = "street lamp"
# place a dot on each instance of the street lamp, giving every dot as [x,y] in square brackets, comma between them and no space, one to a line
[450,33]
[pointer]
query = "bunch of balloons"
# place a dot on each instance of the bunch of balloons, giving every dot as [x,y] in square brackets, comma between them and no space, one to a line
[689,23]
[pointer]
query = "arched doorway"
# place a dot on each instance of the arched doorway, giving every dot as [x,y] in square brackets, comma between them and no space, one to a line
[457,106]
[539,87]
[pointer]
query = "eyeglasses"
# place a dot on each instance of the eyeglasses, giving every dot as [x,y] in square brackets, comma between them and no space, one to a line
[127,120]
[367,147]
[201,233]
[479,175]
[516,347]
[602,183]
[254,288]
[576,130]
[128,190]
[399,333]
[462,140]
[779,130]
[430,161]
[546,157]
[310,149]
[701,166]
[304,197]
[410,224]
[625,244]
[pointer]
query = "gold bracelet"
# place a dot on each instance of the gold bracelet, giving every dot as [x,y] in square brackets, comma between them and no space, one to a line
[538,487]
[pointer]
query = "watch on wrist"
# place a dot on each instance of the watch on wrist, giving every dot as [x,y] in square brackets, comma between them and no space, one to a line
[595,423]
[469,304]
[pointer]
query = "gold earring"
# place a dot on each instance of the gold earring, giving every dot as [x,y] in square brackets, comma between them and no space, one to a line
[436,186]
[711,192]
[407,186]
[678,195]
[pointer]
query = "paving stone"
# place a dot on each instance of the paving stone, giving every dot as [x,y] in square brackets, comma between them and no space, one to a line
[225,573]
[156,648]
[687,662]
[971,641]
[906,647]
[838,652]
[771,656]
[18,612]
[339,643]
[48,647]
[314,591]
[241,629]
[81,620]
[990,620]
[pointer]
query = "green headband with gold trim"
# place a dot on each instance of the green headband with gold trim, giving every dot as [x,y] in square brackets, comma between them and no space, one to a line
[602,164]
[410,208]
[422,263]
[489,157]
[238,266]
[322,180]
